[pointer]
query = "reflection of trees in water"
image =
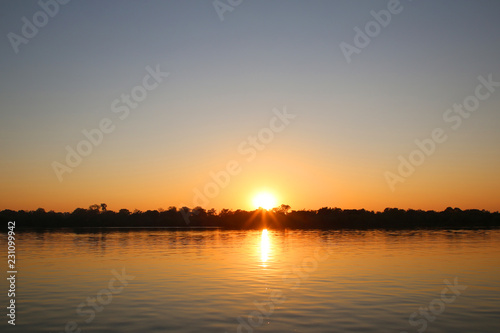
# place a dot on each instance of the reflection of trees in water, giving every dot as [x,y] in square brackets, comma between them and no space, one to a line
[93,242]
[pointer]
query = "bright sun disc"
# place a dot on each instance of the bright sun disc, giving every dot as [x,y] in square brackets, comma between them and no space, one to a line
[264,200]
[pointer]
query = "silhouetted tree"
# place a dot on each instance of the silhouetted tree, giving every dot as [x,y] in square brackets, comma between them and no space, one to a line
[199,211]
[283,209]
[125,212]
[40,211]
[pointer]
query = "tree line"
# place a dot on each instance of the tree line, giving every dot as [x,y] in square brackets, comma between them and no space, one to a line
[280,217]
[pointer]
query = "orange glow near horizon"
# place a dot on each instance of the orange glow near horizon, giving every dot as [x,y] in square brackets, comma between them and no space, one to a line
[301,185]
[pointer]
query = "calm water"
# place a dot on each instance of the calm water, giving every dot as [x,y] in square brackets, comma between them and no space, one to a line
[244,281]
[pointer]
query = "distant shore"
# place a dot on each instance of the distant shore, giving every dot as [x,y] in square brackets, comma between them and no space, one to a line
[278,218]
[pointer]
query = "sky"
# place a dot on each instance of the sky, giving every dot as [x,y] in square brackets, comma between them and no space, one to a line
[212,102]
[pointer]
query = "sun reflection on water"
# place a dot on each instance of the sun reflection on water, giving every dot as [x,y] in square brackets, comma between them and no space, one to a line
[265,247]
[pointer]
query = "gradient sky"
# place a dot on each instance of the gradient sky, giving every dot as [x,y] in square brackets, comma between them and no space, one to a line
[352,121]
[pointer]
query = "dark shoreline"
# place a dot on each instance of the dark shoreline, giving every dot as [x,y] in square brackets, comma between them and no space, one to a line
[281,218]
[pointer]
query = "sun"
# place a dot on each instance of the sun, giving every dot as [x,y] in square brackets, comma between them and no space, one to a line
[264,200]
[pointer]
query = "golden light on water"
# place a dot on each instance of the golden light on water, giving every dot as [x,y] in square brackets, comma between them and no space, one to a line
[265,247]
